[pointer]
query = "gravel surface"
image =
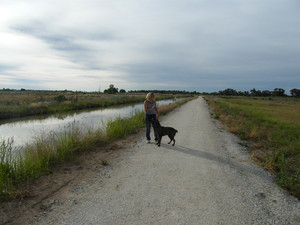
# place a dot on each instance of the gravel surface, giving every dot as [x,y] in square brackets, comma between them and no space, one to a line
[206,178]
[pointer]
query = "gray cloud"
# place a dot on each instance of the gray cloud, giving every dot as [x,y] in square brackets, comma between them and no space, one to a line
[193,45]
[4,68]
[71,44]
[60,40]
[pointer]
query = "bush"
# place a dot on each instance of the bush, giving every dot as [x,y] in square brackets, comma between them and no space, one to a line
[60,98]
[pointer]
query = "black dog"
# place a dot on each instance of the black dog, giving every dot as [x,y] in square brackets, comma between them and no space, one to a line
[162,131]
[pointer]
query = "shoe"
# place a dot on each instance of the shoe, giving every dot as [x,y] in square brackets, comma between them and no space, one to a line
[148,141]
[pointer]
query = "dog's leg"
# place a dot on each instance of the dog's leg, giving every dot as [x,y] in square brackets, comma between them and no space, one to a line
[171,141]
[159,140]
[171,136]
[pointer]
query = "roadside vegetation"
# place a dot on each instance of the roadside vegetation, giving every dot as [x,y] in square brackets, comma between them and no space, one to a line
[272,128]
[49,150]
[277,92]
[21,103]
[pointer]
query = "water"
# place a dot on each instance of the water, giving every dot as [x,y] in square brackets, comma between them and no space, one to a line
[24,131]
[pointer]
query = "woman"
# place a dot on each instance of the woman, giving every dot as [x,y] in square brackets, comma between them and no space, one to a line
[151,114]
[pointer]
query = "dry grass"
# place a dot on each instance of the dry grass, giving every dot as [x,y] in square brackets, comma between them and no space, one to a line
[272,128]
[14,104]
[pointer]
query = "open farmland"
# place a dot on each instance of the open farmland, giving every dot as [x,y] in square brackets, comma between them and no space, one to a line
[272,129]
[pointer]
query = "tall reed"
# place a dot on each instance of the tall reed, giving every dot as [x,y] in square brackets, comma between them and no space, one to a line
[19,104]
[121,127]
[7,168]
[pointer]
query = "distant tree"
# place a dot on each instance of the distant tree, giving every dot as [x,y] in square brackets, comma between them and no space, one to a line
[122,91]
[111,90]
[228,91]
[246,93]
[258,93]
[6,89]
[164,92]
[295,92]
[266,93]
[253,92]
[278,92]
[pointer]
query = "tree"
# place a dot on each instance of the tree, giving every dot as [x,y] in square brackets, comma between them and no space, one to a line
[111,90]
[278,92]
[295,92]
[266,93]
[228,91]
[255,92]
[122,91]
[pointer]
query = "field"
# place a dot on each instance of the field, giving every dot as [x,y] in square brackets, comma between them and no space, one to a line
[15,104]
[272,130]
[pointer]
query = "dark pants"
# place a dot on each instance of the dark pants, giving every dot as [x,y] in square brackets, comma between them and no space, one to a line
[150,118]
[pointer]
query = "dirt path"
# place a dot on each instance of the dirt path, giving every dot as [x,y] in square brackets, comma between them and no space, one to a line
[206,178]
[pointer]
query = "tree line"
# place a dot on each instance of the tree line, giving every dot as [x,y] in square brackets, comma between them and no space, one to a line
[277,92]
[113,90]
[165,91]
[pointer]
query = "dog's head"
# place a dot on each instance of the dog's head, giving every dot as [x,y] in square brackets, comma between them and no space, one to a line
[157,123]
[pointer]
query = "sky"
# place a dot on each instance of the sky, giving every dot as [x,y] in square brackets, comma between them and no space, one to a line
[192,45]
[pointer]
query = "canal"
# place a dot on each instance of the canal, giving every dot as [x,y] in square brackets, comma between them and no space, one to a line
[24,130]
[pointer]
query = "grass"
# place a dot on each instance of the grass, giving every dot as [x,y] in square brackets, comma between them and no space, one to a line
[121,127]
[49,150]
[272,127]
[14,104]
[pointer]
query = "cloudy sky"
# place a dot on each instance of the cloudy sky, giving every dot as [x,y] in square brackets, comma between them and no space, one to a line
[193,45]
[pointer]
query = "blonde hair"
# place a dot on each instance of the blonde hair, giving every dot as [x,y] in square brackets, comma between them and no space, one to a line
[150,97]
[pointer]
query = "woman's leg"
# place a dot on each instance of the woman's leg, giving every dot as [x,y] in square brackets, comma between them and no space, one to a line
[148,124]
[153,125]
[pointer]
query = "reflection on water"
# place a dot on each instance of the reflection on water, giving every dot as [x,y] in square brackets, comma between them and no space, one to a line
[24,130]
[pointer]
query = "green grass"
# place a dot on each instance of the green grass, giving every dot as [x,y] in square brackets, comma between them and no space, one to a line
[272,127]
[7,167]
[49,150]
[121,127]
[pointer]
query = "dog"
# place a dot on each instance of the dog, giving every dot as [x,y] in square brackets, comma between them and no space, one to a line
[162,131]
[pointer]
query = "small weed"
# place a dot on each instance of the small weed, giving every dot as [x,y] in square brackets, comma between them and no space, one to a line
[216,116]
[104,162]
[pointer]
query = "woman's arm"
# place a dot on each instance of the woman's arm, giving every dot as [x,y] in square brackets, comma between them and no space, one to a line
[146,107]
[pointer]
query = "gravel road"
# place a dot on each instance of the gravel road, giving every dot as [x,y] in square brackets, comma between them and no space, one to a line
[206,178]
